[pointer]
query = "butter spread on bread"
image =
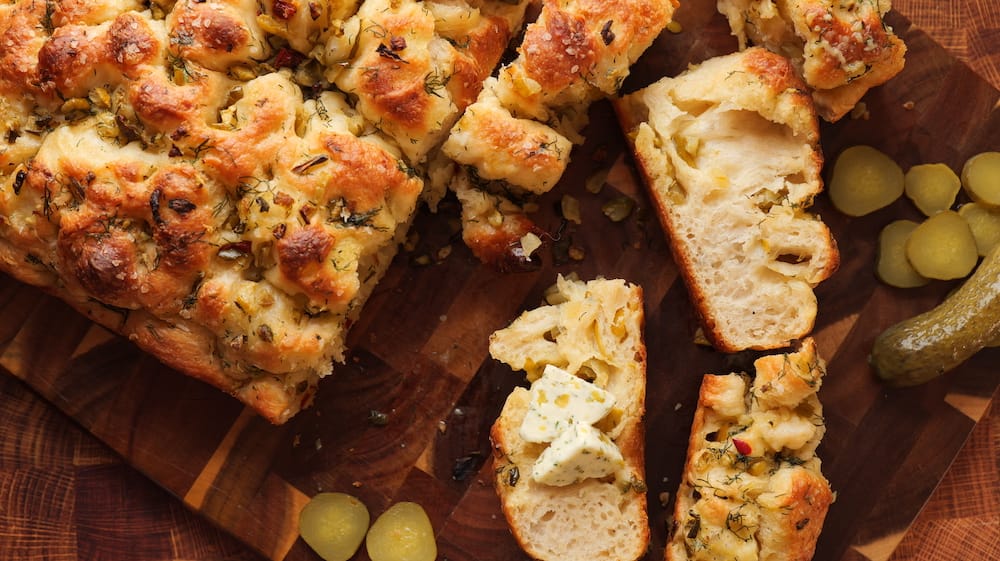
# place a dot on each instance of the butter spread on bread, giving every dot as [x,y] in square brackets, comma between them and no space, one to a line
[559,399]
[841,48]
[562,486]
[752,488]
[729,151]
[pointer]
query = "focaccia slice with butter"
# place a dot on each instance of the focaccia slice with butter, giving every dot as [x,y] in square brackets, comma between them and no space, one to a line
[568,452]
[752,486]
[840,48]
[729,151]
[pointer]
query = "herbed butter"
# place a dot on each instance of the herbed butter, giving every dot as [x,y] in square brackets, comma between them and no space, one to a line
[578,452]
[559,398]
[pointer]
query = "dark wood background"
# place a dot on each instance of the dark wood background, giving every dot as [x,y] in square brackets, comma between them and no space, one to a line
[173,461]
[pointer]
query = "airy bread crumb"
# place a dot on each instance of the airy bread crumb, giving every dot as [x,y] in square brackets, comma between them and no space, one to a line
[730,153]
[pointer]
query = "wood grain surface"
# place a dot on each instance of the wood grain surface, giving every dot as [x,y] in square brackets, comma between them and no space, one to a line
[419,356]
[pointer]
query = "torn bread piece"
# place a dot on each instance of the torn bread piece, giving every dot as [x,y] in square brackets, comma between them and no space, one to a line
[729,151]
[417,65]
[521,129]
[752,486]
[841,49]
[568,452]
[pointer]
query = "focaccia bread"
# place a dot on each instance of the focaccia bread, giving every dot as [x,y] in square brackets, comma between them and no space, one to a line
[418,65]
[752,486]
[582,496]
[735,215]
[188,175]
[518,135]
[840,48]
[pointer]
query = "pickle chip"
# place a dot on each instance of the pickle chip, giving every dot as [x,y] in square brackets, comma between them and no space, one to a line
[334,525]
[931,187]
[981,178]
[892,266]
[942,247]
[985,225]
[864,180]
[402,533]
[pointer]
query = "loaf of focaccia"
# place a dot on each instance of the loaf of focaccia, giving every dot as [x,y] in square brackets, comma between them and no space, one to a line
[568,452]
[840,48]
[188,174]
[730,153]
[752,487]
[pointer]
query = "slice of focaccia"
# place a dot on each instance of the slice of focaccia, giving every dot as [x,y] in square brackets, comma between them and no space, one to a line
[730,153]
[569,452]
[752,487]
[188,174]
[840,48]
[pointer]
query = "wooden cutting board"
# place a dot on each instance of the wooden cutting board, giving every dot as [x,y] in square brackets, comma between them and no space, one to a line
[419,356]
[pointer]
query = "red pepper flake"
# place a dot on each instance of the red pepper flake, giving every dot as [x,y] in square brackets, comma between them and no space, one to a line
[288,58]
[282,198]
[742,446]
[283,9]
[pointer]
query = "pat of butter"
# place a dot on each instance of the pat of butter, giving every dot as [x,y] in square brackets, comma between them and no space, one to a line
[559,398]
[579,452]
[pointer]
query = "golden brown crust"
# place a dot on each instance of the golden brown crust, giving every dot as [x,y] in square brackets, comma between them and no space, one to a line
[524,153]
[412,80]
[590,40]
[795,519]
[472,65]
[779,75]
[216,35]
[22,36]
[842,49]
[558,49]
[493,228]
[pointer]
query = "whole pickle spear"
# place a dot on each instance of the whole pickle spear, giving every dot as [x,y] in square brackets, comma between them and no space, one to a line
[923,347]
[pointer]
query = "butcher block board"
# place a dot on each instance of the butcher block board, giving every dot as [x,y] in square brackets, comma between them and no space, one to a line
[419,353]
